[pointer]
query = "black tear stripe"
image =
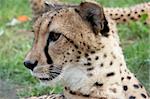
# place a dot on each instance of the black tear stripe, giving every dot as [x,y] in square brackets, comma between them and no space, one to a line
[49,59]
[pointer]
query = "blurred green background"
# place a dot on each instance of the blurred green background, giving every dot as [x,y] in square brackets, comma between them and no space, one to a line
[15,42]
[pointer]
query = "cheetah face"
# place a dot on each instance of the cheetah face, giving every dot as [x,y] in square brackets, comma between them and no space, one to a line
[63,38]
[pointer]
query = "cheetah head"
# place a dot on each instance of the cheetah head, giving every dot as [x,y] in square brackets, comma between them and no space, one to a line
[63,39]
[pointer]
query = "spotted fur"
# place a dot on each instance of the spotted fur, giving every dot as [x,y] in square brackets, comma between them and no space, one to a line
[79,46]
[134,13]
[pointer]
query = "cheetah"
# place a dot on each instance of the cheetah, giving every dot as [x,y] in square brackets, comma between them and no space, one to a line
[78,46]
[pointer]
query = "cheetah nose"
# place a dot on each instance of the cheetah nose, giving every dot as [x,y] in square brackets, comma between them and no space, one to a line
[30,65]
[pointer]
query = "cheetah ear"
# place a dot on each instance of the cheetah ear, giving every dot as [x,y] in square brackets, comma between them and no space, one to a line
[94,14]
[39,7]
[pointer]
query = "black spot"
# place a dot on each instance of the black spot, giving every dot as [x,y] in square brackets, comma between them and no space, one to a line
[134,75]
[120,71]
[121,15]
[122,78]
[88,46]
[71,41]
[111,14]
[125,70]
[88,64]
[65,61]
[71,92]
[105,55]
[116,14]
[132,18]
[100,43]
[112,31]
[92,52]
[78,57]
[142,10]
[139,16]
[111,63]
[81,35]
[77,60]
[129,14]
[76,46]
[79,52]
[71,60]
[125,88]
[145,23]
[124,20]
[86,55]
[66,88]
[68,53]
[89,69]
[143,95]
[103,46]
[101,64]
[89,59]
[52,17]
[35,4]
[141,85]
[110,74]
[76,10]
[49,24]
[120,64]
[84,44]
[135,86]
[86,95]
[135,12]
[96,58]
[132,97]
[128,77]
[120,45]
[113,90]
[62,96]
[113,55]
[98,84]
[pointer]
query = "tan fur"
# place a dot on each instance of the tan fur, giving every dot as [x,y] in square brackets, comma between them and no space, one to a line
[91,64]
[134,13]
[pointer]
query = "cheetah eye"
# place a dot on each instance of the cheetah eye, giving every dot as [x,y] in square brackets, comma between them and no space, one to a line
[53,36]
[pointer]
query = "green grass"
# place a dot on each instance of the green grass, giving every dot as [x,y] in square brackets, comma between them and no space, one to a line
[15,43]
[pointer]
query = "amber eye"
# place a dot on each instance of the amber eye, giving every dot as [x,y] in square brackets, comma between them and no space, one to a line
[53,36]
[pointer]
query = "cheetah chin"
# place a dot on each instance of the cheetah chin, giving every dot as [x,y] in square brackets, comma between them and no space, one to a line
[48,74]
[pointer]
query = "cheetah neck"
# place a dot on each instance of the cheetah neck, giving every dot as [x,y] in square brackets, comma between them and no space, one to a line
[102,77]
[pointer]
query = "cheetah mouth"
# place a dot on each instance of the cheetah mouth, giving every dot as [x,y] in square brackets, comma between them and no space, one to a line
[47,72]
